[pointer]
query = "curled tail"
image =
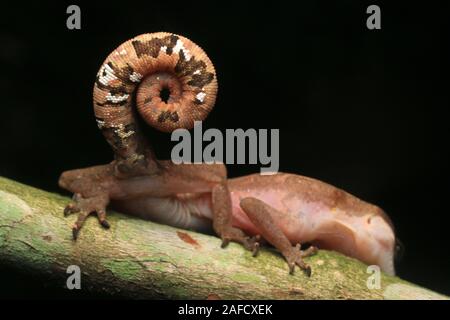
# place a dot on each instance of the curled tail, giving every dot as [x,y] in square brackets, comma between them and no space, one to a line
[169,78]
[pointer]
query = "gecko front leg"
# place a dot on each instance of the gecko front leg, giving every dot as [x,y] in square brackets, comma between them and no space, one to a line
[262,216]
[222,220]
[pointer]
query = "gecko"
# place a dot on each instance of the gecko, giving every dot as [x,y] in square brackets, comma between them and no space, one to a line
[286,210]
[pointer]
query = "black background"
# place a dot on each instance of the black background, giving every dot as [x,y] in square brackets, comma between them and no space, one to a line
[365,110]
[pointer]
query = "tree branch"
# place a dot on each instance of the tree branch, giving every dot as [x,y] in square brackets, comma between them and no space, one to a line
[141,259]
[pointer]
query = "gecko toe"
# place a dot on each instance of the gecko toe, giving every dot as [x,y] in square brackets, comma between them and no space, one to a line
[70,208]
[253,245]
[75,231]
[291,268]
[101,214]
[225,243]
[67,211]
[105,224]
[309,252]
[255,250]
[308,271]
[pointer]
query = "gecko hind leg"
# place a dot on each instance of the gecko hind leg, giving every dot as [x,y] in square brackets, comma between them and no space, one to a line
[262,216]
[84,207]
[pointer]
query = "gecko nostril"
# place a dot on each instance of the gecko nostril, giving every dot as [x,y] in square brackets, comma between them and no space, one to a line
[369,220]
[164,94]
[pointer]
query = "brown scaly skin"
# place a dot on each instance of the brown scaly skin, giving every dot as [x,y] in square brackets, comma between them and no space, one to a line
[283,209]
[140,68]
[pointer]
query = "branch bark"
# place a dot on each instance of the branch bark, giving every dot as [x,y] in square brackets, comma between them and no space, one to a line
[141,259]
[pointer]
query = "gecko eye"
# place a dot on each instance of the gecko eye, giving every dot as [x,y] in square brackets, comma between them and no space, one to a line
[164,94]
[399,250]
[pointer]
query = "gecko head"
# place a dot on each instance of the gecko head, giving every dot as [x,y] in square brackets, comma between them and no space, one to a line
[368,237]
[376,241]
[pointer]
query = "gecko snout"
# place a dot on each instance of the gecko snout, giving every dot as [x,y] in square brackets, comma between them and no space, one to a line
[380,243]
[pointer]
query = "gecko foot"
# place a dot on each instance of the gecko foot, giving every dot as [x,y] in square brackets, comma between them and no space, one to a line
[295,257]
[237,235]
[84,207]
